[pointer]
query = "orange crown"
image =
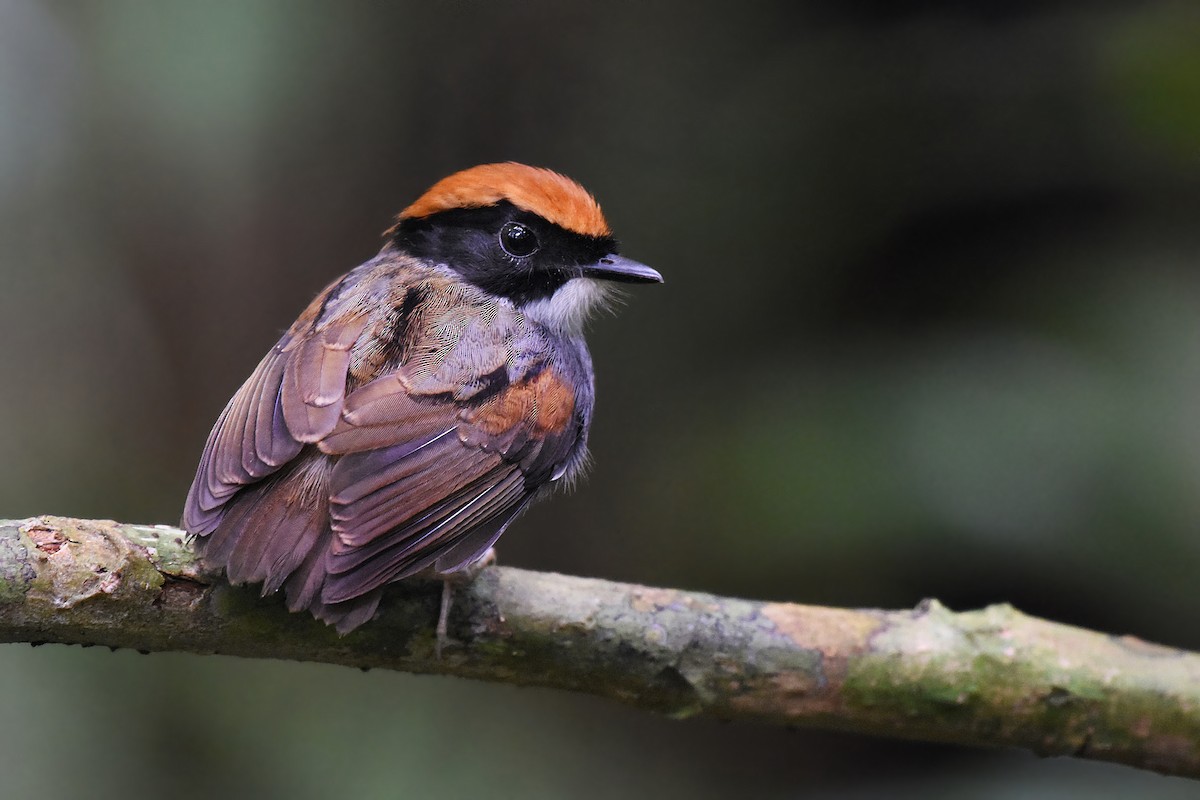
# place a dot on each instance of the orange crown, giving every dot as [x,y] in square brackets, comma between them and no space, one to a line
[553,197]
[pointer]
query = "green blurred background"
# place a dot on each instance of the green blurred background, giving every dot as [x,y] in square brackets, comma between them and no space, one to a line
[931,327]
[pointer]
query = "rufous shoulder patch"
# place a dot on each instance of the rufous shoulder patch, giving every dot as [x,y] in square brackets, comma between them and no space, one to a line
[545,403]
[540,191]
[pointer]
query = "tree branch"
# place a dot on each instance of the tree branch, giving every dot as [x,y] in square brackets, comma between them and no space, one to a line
[994,677]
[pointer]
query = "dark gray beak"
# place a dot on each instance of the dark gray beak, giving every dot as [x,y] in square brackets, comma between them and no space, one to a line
[623,270]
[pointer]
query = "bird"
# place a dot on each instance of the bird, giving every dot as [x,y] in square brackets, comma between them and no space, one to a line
[419,404]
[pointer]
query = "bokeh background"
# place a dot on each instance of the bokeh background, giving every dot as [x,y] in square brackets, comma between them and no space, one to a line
[931,327]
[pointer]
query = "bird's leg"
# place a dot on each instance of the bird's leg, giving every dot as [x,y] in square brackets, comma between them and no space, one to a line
[443,635]
[461,577]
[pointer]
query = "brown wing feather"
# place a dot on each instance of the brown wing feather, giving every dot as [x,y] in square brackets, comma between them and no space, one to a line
[411,492]
[266,443]
[382,414]
[293,396]
[416,496]
[403,554]
[315,380]
[246,445]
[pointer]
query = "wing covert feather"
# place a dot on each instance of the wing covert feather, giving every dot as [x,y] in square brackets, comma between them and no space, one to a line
[294,396]
[436,477]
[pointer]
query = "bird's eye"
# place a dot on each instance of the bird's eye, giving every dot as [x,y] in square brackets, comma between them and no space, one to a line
[517,240]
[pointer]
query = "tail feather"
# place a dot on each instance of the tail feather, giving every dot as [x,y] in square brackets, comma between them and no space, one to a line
[277,533]
[287,561]
[303,587]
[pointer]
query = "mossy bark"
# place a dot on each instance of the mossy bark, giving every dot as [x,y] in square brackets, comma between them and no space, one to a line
[994,677]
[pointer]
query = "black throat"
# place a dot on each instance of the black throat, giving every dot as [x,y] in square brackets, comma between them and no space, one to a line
[468,241]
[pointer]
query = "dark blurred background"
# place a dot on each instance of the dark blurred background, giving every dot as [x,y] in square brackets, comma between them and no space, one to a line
[931,327]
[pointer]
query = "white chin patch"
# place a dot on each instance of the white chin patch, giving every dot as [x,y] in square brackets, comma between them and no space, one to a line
[567,309]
